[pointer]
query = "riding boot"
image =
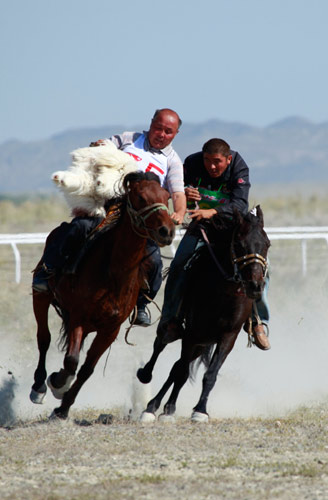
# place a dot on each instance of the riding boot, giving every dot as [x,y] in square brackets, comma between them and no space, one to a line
[257,333]
[41,279]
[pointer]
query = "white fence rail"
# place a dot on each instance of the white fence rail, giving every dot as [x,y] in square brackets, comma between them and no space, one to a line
[303,234]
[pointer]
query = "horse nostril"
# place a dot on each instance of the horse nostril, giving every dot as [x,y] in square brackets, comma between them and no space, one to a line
[163,231]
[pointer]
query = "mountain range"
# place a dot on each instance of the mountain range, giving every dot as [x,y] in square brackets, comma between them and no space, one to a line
[293,151]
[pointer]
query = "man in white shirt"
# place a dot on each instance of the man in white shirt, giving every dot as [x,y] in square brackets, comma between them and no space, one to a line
[153,152]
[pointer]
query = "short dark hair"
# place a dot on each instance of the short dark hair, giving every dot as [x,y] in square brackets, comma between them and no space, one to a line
[171,111]
[217,146]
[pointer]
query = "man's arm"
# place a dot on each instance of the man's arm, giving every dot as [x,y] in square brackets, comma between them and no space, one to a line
[179,206]
[240,186]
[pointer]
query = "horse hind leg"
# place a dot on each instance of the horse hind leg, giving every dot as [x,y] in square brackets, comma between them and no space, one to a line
[60,382]
[41,304]
[222,350]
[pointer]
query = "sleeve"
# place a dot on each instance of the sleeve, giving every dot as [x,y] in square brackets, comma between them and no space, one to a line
[125,139]
[187,171]
[239,185]
[117,139]
[191,169]
[174,179]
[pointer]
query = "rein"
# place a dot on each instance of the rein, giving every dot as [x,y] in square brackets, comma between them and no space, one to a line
[239,263]
[138,220]
[217,263]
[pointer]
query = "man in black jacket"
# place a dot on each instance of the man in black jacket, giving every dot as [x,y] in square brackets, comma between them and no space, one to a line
[217,181]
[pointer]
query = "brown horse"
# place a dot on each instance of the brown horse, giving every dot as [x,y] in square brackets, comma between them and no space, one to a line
[104,289]
[225,277]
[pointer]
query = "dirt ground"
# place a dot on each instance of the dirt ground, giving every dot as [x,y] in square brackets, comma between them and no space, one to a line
[227,458]
[267,434]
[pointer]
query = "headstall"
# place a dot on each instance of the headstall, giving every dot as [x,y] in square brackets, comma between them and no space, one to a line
[138,220]
[239,263]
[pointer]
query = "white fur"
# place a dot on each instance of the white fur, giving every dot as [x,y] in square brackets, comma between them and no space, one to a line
[95,175]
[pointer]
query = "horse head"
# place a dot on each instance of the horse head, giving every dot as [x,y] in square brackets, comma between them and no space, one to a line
[147,206]
[249,249]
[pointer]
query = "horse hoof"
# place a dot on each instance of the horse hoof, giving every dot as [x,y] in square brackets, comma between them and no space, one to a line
[197,416]
[166,419]
[37,397]
[147,417]
[58,392]
[144,378]
[55,415]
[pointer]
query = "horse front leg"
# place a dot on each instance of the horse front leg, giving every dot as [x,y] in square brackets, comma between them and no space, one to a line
[41,304]
[181,374]
[145,374]
[60,382]
[178,375]
[222,350]
[99,345]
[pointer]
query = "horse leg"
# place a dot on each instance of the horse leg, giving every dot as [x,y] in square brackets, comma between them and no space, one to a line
[154,404]
[99,345]
[181,375]
[60,382]
[222,350]
[145,374]
[41,303]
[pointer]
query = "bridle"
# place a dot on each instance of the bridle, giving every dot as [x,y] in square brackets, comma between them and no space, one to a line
[239,263]
[139,217]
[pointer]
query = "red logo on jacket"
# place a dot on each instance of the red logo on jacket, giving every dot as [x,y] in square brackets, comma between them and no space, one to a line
[137,158]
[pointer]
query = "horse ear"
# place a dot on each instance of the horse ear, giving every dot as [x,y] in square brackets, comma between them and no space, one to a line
[237,217]
[259,214]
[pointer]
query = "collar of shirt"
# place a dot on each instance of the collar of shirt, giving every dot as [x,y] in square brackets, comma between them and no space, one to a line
[166,151]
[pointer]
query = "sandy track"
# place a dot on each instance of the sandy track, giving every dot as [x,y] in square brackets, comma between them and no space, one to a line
[228,458]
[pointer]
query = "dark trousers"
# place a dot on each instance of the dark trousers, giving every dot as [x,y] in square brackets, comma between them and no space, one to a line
[154,276]
[64,247]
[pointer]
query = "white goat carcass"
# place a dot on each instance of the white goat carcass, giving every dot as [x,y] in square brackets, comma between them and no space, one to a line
[95,175]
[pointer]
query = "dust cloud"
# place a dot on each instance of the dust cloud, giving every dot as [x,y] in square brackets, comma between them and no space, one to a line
[251,382]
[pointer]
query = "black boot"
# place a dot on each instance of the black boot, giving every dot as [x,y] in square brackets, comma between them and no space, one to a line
[142,318]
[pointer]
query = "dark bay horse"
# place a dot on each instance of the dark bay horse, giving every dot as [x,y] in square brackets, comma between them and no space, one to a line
[224,279]
[104,289]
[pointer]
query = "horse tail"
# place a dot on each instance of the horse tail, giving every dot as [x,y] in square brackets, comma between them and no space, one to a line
[203,359]
[64,315]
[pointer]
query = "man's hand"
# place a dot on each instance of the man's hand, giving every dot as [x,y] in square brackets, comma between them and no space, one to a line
[202,213]
[100,142]
[177,218]
[192,194]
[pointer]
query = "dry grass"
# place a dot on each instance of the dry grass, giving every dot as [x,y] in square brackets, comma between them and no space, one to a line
[228,458]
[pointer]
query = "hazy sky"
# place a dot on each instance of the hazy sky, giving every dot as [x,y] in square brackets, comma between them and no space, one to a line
[75,63]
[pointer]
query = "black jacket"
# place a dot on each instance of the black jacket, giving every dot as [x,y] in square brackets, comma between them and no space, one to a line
[234,181]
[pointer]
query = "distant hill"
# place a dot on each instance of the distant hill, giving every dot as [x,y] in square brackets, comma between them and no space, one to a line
[293,150]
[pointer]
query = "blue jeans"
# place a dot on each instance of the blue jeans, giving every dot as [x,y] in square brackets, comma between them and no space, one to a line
[262,303]
[174,289]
